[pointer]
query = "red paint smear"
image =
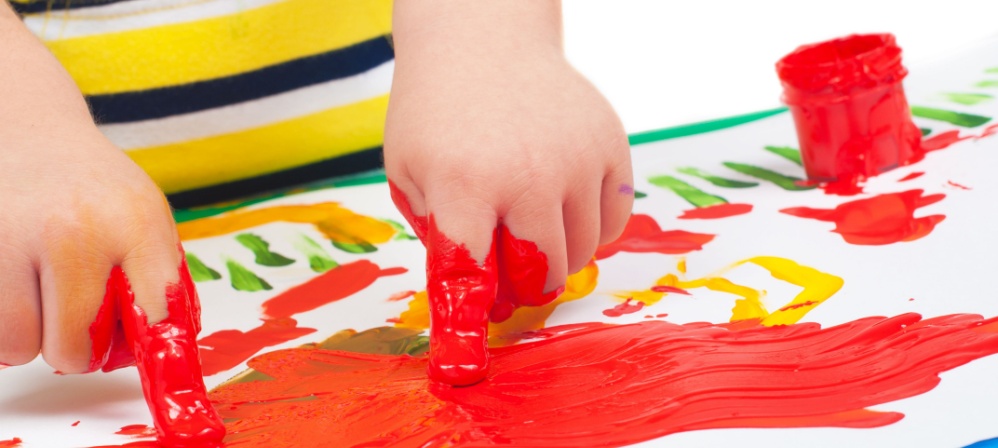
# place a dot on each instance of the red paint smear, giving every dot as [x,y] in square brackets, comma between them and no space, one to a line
[166,355]
[912,175]
[883,219]
[661,315]
[136,431]
[12,443]
[717,211]
[989,131]
[798,305]
[624,308]
[608,385]
[643,234]
[943,140]
[669,289]
[223,350]
[401,295]
[76,423]
[523,272]
[335,284]
[956,185]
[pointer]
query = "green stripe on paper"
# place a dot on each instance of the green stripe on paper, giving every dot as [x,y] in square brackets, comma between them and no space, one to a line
[691,194]
[783,181]
[791,154]
[951,117]
[716,180]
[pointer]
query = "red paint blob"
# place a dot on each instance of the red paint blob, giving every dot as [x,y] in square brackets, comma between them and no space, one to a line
[607,385]
[882,219]
[643,234]
[11,443]
[223,350]
[166,354]
[912,175]
[956,185]
[669,289]
[624,308]
[849,108]
[716,211]
[523,272]
[335,284]
[661,315]
[76,423]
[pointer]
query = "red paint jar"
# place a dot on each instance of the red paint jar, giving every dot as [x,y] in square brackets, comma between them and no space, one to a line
[849,107]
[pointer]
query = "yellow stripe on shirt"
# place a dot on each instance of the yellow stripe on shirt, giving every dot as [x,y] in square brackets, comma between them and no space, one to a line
[229,157]
[222,46]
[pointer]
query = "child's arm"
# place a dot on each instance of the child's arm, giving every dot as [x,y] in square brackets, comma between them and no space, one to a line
[73,207]
[489,123]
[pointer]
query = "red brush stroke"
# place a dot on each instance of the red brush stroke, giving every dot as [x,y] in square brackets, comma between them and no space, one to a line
[943,140]
[607,385]
[669,289]
[136,431]
[335,284]
[643,234]
[717,211]
[624,308]
[401,295]
[76,423]
[223,350]
[956,185]
[882,219]
[11,443]
[912,175]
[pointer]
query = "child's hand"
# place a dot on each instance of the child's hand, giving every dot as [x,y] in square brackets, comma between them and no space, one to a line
[489,124]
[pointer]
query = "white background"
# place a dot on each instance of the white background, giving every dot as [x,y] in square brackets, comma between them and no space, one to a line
[665,62]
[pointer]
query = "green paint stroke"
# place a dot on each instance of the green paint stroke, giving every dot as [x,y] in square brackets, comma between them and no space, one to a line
[640,194]
[700,128]
[402,235]
[243,279]
[991,70]
[967,99]
[957,118]
[781,180]
[691,194]
[716,180]
[791,154]
[925,131]
[318,259]
[200,272]
[988,83]
[261,249]
[362,247]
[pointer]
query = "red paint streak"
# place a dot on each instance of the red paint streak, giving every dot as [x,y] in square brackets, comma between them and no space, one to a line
[669,289]
[223,350]
[393,320]
[624,308]
[911,299]
[956,185]
[608,385]
[401,295]
[717,211]
[136,431]
[643,234]
[335,284]
[661,315]
[912,175]
[166,354]
[883,219]
[943,140]
[76,423]
[988,131]
[12,443]
[798,305]
[649,316]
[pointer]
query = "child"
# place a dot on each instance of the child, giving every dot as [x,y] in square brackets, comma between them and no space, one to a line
[487,124]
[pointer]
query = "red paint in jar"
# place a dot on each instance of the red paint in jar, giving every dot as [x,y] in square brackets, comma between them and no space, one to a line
[849,107]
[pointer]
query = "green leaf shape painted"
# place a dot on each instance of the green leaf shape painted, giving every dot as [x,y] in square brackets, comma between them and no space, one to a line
[401,234]
[640,194]
[791,154]
[261,249]
[987,83]
[318,259]
[967,99]
[200,272]
[951,117]
[362,247]
[783,181]
[716,180]
[244,279]
[925,131]
[691,194]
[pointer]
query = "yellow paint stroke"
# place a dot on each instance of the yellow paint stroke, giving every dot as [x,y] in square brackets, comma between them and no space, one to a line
[524,319]
[335,222]
[817,287]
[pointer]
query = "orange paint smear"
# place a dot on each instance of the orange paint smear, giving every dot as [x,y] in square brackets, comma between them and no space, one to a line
[643,234]
[336,284]
[882,219]
[911,176]
[716,211]
[624,308]
[607,385]
[223,350]
[12,443]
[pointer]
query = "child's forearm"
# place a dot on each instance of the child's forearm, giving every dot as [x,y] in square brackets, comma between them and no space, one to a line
[37,96]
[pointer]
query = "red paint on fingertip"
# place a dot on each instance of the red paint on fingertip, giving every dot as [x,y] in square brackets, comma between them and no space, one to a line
[878,220]
[911,176]
[522,274]
[717,211]
[642,234]
[624,308]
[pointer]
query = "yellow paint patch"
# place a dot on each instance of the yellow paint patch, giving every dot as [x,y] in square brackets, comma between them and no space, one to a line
[524,319]
[817,287]
[335,222]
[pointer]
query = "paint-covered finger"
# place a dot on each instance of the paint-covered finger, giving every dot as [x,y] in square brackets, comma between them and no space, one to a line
[410,203]
[169,365]
[617,198]
[531,257]
[20,311]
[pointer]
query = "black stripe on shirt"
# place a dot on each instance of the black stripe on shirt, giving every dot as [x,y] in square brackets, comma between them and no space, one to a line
[357,162]
[174,100]
[37,6]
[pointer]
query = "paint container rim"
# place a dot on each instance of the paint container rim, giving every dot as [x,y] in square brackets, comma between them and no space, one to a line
[840,67]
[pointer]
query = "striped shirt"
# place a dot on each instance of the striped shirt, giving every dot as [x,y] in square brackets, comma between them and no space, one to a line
[217,98]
